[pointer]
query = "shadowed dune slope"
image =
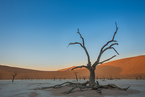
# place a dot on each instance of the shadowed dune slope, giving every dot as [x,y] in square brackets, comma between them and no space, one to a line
[127,68]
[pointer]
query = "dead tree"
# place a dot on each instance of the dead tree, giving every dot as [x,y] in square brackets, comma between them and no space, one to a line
[140,77]
[14,75]
[103,79]
[84,77]
[136,77]
[76,75]
[110,78]
[92,67]
[54,78]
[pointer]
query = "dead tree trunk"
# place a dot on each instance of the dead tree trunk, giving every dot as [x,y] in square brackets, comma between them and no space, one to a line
[92,67]
[76,76]
[14,75]
[92,77]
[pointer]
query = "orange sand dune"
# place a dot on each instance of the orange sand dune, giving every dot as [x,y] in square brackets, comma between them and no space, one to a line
[66,69]
[127,68]
[133,65]
[69,69]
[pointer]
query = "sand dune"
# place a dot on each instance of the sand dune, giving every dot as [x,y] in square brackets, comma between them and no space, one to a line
[127,68]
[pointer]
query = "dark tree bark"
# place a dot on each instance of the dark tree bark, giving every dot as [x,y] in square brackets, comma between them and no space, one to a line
[83,86]
[14,75]
[76,76]
[92,67]
[92,78]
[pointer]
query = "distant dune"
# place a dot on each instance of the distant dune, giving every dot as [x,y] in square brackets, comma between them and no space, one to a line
[127,68]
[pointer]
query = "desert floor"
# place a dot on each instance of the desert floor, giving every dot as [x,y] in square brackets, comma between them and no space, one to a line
[20,88]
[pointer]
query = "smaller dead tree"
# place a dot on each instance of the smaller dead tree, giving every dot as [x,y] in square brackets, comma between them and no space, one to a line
[14,75]
[136,77]
[117,78]
[103,79]
[110,78]
[140,77]
[54,78]
[84,77]
[76,75]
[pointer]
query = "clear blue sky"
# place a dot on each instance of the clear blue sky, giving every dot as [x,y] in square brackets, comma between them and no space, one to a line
[35,33]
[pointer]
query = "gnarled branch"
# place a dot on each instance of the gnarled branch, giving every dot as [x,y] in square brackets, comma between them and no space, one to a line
[110,47]
[104,48]
[13,75]
[75,43]
[83,46]
[107,59]
[115,31]
[81,37]
[115,50]
[79,67]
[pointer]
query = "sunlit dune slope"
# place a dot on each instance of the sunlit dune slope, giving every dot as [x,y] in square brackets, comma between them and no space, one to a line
[70,68]
[127,68]
[122,68]
[133,65]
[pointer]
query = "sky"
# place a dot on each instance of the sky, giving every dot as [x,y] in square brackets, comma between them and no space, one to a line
[35,34]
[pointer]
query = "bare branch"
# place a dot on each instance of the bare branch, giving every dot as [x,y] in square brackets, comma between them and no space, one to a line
[81,37]
[83,46]
[107,59]
[79,67]
[14,75]
[113,44]
[75,43]
[110,47]
[115,50]
[115,31]
[107,44]
[103,49]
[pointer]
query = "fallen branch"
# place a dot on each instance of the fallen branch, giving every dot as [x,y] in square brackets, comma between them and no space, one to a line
[64,84]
